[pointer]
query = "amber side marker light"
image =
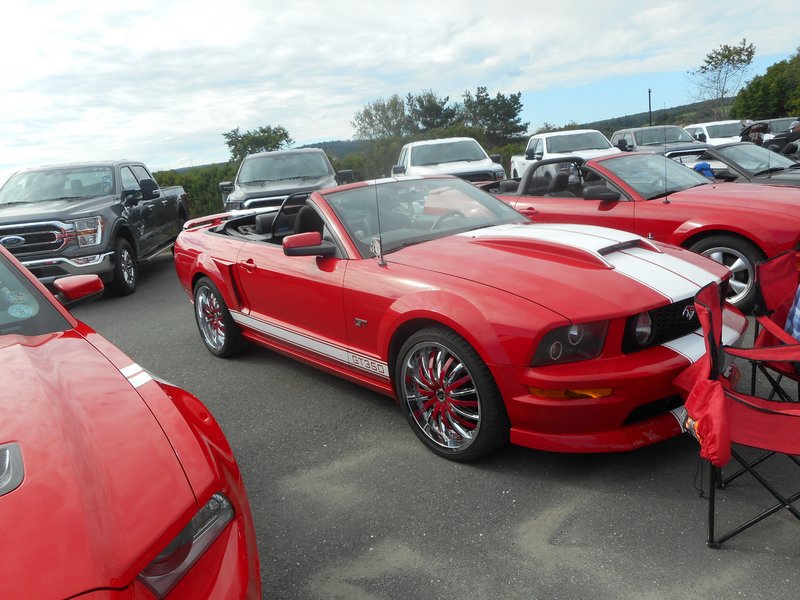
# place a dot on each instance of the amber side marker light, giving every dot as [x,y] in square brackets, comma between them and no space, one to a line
[569,394]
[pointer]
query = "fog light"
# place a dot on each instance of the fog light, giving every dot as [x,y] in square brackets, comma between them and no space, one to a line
[643,329]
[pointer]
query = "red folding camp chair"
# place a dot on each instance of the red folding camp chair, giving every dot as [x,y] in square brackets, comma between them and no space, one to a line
[725,420]
[777,282]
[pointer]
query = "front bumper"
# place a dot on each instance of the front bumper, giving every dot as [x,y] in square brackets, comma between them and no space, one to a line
[635,413]
[47,270]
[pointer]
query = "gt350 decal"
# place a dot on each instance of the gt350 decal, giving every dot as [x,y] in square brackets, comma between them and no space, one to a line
[332,351]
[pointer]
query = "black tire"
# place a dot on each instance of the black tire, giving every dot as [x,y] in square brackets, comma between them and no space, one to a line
[219,332]
[460,422]
[126,269]
[741,257]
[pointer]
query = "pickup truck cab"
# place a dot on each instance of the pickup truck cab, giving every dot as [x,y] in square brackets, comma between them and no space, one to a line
[89,218]
[268,178]
[656,138]
[583,143]
[716,132]
[463,157]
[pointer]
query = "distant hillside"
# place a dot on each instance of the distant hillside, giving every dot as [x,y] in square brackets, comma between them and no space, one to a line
[679,115]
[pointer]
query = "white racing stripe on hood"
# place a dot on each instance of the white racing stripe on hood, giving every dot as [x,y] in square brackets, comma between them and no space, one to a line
[648,269]
[587,237]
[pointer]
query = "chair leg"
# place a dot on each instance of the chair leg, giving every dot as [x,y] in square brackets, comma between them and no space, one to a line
[714,478]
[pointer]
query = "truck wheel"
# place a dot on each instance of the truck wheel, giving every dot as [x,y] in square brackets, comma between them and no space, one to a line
[126,271]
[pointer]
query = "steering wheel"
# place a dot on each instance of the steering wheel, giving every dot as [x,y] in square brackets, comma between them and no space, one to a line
[448,215]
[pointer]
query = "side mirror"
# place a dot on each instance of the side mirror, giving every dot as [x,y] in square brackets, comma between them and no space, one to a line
[399,170]
[344,176]
[702,137]
[307,244]
[226,187]
[725,175]
[530,154]
[130,197]
[149,189]
[496,158]
[622,144]
[600,192]
[77,289]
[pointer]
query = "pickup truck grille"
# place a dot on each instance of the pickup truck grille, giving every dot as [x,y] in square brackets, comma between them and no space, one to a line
[39,237]
[477,176]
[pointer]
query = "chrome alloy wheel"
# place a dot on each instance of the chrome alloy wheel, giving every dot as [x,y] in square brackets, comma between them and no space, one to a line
[127,268]
[210,317]
[742,270]
[441,395]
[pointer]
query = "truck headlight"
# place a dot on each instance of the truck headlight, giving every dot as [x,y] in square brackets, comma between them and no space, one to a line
[88,231]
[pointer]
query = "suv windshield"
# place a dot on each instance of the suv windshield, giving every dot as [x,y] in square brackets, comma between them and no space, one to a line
[58,184]
[662,135]
[23,309]
[653,175]
[574,142]
[446,152]
[278,167]
[755,158]
[725,130]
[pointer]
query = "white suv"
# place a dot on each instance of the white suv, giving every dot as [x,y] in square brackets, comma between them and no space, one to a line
[462,157]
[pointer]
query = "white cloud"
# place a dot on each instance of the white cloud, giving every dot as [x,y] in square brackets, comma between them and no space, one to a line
[161,81]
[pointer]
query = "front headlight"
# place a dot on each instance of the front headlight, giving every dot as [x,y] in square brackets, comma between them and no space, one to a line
[579,341]
[182,552]
[88,231]
[499,175]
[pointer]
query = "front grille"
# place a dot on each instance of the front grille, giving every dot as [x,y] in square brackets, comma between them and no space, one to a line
[669,323]
[39,237]
[478,176]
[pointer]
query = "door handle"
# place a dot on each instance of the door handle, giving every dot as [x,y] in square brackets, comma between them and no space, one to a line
[528,212]
[248,265]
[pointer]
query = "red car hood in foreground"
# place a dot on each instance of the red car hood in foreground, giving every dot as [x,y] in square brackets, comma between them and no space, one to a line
[579,269]
[89,505]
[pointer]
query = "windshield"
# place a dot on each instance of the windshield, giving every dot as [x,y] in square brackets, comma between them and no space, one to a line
[724,130]
[653,175]
[410,211]
[278,167]
[755,158]
[573,142]
[446,152]
[23,309]
[58,184]
[669,134]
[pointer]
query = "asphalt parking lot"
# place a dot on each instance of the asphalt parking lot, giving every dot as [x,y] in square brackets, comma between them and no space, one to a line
[349,505]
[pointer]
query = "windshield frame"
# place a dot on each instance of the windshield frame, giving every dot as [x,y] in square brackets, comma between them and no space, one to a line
[413,210]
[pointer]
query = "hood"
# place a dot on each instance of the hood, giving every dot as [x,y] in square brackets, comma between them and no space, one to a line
[282,188]
[457,168]
[579,271]
[53,210]
[785,177]
[587,154]
[101,481]
[783,200]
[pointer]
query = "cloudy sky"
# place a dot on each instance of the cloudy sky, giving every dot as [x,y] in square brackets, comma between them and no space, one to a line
[161,81]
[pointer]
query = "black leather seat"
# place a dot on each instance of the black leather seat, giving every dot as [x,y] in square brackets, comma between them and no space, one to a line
[307,220]
[559,186]
[264,222]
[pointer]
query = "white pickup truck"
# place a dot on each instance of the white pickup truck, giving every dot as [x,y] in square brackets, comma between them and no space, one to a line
[463,157]
[584,143]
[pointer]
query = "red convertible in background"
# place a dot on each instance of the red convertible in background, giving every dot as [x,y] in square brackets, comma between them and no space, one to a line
[657,198]
[113,484]
[483,325]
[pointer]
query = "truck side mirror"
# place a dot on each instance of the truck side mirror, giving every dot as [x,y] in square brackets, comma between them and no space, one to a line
[149,189]
[702,136]
[496,158]
[622,144]
[398,170]
[344,176]
[226,187]
[529,154]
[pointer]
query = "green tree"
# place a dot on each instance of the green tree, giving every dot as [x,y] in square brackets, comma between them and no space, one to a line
[383,119]
[263,139]
[428,111]
[499,117]
[774,94]
[723,72]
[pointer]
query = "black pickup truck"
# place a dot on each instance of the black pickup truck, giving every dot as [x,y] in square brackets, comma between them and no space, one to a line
[99,217]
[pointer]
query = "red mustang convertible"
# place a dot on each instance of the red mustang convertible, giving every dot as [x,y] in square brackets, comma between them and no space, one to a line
[482,325]
[737,225]
[113,484]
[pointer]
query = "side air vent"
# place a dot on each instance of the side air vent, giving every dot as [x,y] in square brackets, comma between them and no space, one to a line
[11,470]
